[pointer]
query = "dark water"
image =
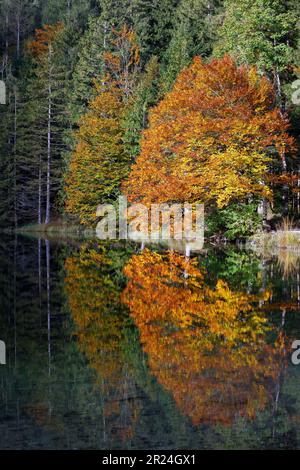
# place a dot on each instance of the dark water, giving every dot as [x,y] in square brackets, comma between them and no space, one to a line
[111,347]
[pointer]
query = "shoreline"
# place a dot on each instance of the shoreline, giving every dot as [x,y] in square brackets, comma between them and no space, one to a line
[277,240]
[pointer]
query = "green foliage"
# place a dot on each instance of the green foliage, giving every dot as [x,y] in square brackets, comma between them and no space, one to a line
[193,34]
[153,23]
[25,140]
[260,32]
[263,33]
[89,67]
[136,114]
[8,124]
[17,21]
[236,221]
[73,12]
[169,34]
[239,268]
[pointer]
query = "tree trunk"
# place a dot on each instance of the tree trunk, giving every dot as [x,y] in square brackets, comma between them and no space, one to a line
[18,37]
[49,143]
[69,9]
[40,193]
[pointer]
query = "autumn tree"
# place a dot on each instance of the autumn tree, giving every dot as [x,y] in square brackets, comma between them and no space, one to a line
[265,33]
[212,139]
[94,303]
[152,22]
[207,346]
[100,161]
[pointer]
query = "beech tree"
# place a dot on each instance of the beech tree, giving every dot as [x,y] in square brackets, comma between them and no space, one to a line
[207,346]
[211,139]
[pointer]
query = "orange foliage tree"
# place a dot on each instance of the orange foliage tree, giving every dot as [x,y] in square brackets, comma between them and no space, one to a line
[211,139]
[206,346]
[43,39]
[99,161]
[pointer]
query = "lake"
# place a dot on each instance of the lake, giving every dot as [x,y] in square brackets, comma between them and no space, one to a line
[117,346]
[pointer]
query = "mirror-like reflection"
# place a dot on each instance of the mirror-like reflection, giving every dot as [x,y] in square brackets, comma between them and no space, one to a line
[207,346]
[100,328]
[113,346]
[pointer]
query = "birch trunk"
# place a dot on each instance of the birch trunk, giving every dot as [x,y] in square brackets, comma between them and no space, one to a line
[49,141]
[40,193]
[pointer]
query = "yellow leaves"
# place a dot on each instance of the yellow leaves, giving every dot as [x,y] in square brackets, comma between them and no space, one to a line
[92,299]
[242,172]
[210,135]
[205,345]
[99,161]
[170,286]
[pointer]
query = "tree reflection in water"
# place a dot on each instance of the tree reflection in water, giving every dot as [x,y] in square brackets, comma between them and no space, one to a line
[94,301]
[207,346]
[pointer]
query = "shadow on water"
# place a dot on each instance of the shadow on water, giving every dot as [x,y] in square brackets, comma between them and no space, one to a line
[113,346]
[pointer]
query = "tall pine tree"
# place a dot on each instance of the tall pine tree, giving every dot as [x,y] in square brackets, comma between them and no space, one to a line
[100,161]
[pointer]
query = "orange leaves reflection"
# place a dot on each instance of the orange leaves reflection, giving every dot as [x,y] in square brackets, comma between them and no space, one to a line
[205,345]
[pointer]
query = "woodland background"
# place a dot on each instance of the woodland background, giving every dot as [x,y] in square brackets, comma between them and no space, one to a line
[105,96]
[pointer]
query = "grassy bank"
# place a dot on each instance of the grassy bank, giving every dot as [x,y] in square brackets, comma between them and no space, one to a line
[279,240]
[57,228]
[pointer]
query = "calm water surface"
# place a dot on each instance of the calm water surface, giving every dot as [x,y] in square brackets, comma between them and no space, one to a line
[114,347]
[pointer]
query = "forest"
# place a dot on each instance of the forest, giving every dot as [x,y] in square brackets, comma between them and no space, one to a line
[165,101]
[118,344]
